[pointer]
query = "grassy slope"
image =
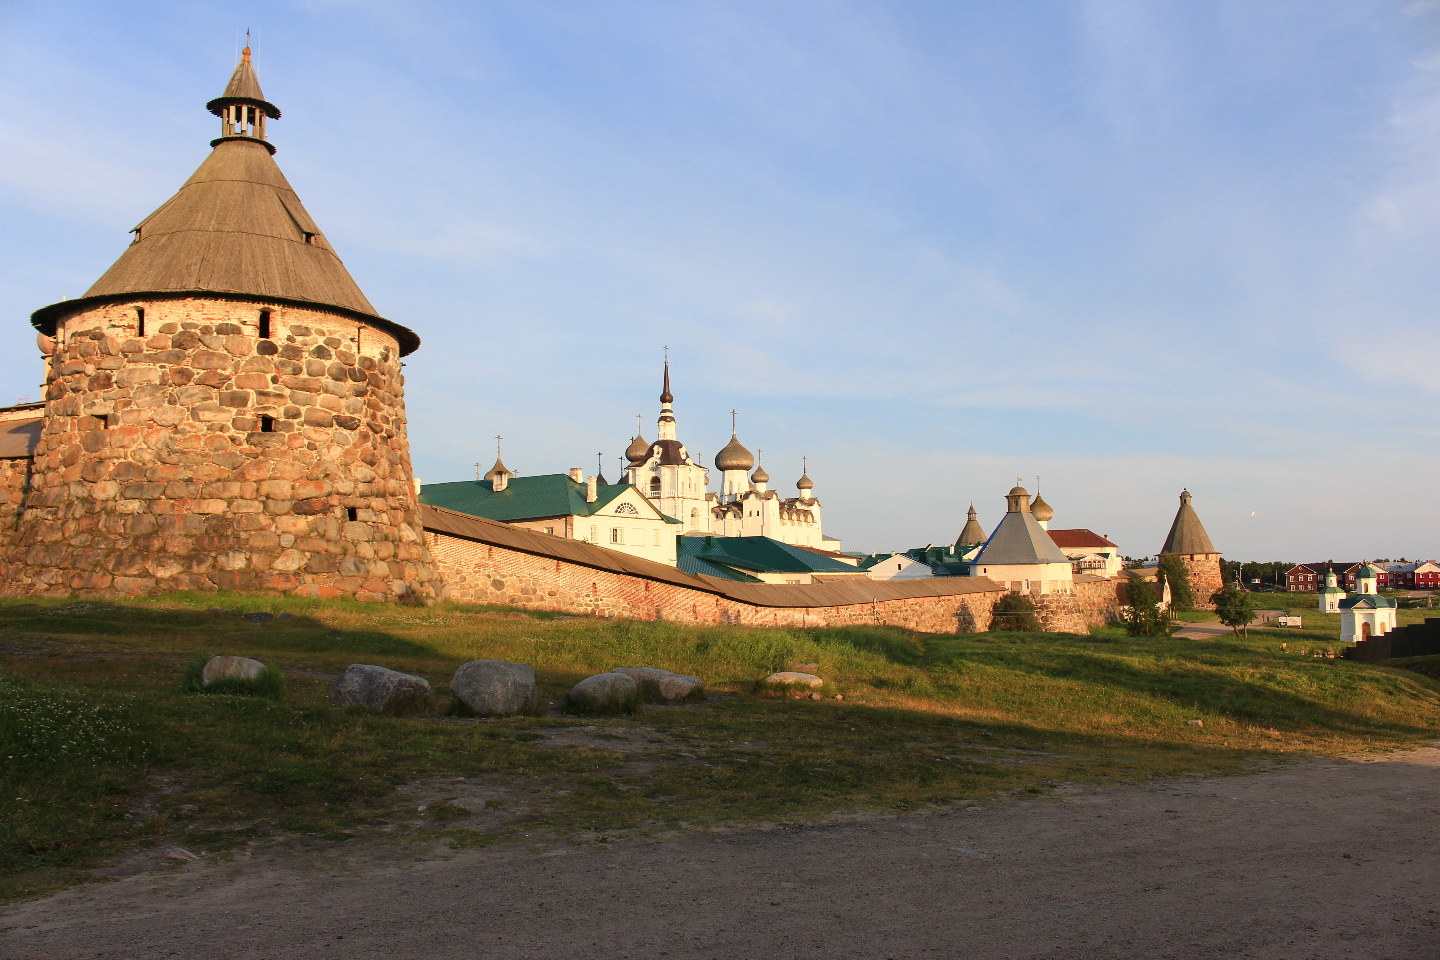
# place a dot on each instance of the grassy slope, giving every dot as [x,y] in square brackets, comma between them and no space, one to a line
[924,719]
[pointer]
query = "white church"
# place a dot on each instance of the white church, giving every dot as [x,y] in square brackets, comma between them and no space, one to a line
[673,479]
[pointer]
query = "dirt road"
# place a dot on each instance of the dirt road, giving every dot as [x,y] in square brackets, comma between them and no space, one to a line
[1323,859]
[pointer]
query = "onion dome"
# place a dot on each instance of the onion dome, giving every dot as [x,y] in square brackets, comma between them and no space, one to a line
[734,456]
[638,451]
[805,483]
[760,476]
[1039,509]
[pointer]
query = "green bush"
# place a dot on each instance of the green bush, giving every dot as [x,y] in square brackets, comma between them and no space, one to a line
[270,684]
[1015,613]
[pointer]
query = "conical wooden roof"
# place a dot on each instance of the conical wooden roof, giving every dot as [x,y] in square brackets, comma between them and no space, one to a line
[243,85]
[1187,535]
[235,227]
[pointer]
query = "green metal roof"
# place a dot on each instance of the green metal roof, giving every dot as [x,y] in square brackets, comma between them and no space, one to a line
[756,554]
[524,498]
[1361,599]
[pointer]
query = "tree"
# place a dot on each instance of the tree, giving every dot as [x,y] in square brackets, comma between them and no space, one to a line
[1235,608]
[1143,617]
[1182,597]
[1015,611]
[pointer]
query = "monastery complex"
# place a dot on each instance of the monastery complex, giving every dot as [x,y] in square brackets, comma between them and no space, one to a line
[224,409]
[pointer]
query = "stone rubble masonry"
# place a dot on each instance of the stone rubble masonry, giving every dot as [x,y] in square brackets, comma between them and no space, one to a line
[478,572]
[200,456]
[1205,577]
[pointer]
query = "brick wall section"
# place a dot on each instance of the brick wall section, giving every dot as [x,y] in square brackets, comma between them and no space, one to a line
[153,471]
[476,572]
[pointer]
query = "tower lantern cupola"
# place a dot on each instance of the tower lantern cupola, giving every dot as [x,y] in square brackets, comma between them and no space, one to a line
[242,108]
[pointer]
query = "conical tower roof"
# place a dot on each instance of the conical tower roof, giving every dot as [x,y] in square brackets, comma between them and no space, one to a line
[236,229]
[1187,535]
[972,533]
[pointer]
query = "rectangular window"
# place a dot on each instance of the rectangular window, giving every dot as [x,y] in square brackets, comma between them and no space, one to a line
[550,530]
[593,536]
[267,424]
[264,324]
[352,513]
[657,538]
[617,535]
[139,321]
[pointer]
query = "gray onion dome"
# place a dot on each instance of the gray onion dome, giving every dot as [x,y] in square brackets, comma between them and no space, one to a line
[638,451]
[734,456]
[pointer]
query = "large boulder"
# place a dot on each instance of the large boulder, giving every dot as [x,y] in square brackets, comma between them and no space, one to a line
[494,688]
[794,679]
[238,668]
[378,689]
[605,693]
[659,685]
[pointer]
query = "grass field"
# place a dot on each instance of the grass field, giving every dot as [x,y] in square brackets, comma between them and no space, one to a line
[103,750]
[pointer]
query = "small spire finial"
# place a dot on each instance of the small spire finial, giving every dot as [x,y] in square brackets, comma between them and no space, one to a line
[804,464]
[498,438]
[245,54]
[732,422]
[477,473]
[599,463]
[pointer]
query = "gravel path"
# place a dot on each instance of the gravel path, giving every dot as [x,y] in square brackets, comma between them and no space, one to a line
[1332,858]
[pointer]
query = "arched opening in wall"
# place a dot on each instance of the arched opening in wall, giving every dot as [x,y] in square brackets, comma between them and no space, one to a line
[1364,631]
[654,486]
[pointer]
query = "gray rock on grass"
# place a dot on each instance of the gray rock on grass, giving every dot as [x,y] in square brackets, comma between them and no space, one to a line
[795,679]
[605,693]
[494,688]
[240,668]
[378,689]
[662,685]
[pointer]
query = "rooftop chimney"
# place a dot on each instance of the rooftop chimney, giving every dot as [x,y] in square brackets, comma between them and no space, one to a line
[577,474]
[591,494]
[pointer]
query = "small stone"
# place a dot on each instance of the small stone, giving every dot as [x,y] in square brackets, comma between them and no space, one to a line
[378,689]
[795,679]
[1195,723]
[494,688]
[605,693]
[258,617]
[839,696]
[241,668]
[179,853]
[815,696]
[469,804]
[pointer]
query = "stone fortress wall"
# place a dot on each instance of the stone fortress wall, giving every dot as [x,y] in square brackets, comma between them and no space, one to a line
[198,454]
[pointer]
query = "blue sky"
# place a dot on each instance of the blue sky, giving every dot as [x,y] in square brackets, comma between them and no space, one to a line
[1128,247]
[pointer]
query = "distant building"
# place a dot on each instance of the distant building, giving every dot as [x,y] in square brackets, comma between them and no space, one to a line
[666,472]
[1020,555]
[895,566]
[1191,544]
[1365,614]
[1413,575]
[1089,552]
[759,560]
[1309,577]
[1330,595]
[615,516]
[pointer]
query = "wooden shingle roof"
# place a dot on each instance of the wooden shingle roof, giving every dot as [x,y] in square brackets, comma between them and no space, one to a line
[236,227]
[1187,535]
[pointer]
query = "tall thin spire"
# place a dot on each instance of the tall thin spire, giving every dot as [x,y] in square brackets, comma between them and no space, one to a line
[666,424]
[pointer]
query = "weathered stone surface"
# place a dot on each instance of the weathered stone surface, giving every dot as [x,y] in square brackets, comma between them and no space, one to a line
[677,687]
[605,693]
[378,689]
[660,685]
[494,688]
[241,668]
[796,679]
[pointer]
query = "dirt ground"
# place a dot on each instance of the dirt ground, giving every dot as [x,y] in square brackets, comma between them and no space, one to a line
[1330,858]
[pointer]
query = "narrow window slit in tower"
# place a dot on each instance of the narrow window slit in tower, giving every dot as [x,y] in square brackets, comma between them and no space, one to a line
[309,237]
[352,513]
[139,321]
[267,424]
[264,324]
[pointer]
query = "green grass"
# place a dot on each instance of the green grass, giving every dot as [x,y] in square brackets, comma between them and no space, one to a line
[114,751]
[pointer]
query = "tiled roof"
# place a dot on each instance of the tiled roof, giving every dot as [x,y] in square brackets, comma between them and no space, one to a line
[1078,539]
[759,555]
[524,498]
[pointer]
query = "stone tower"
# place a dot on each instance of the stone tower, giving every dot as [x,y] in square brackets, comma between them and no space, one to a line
[224,408]
[1189,541]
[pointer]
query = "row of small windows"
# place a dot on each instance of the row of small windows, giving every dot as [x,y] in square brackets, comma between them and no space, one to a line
[264,323]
